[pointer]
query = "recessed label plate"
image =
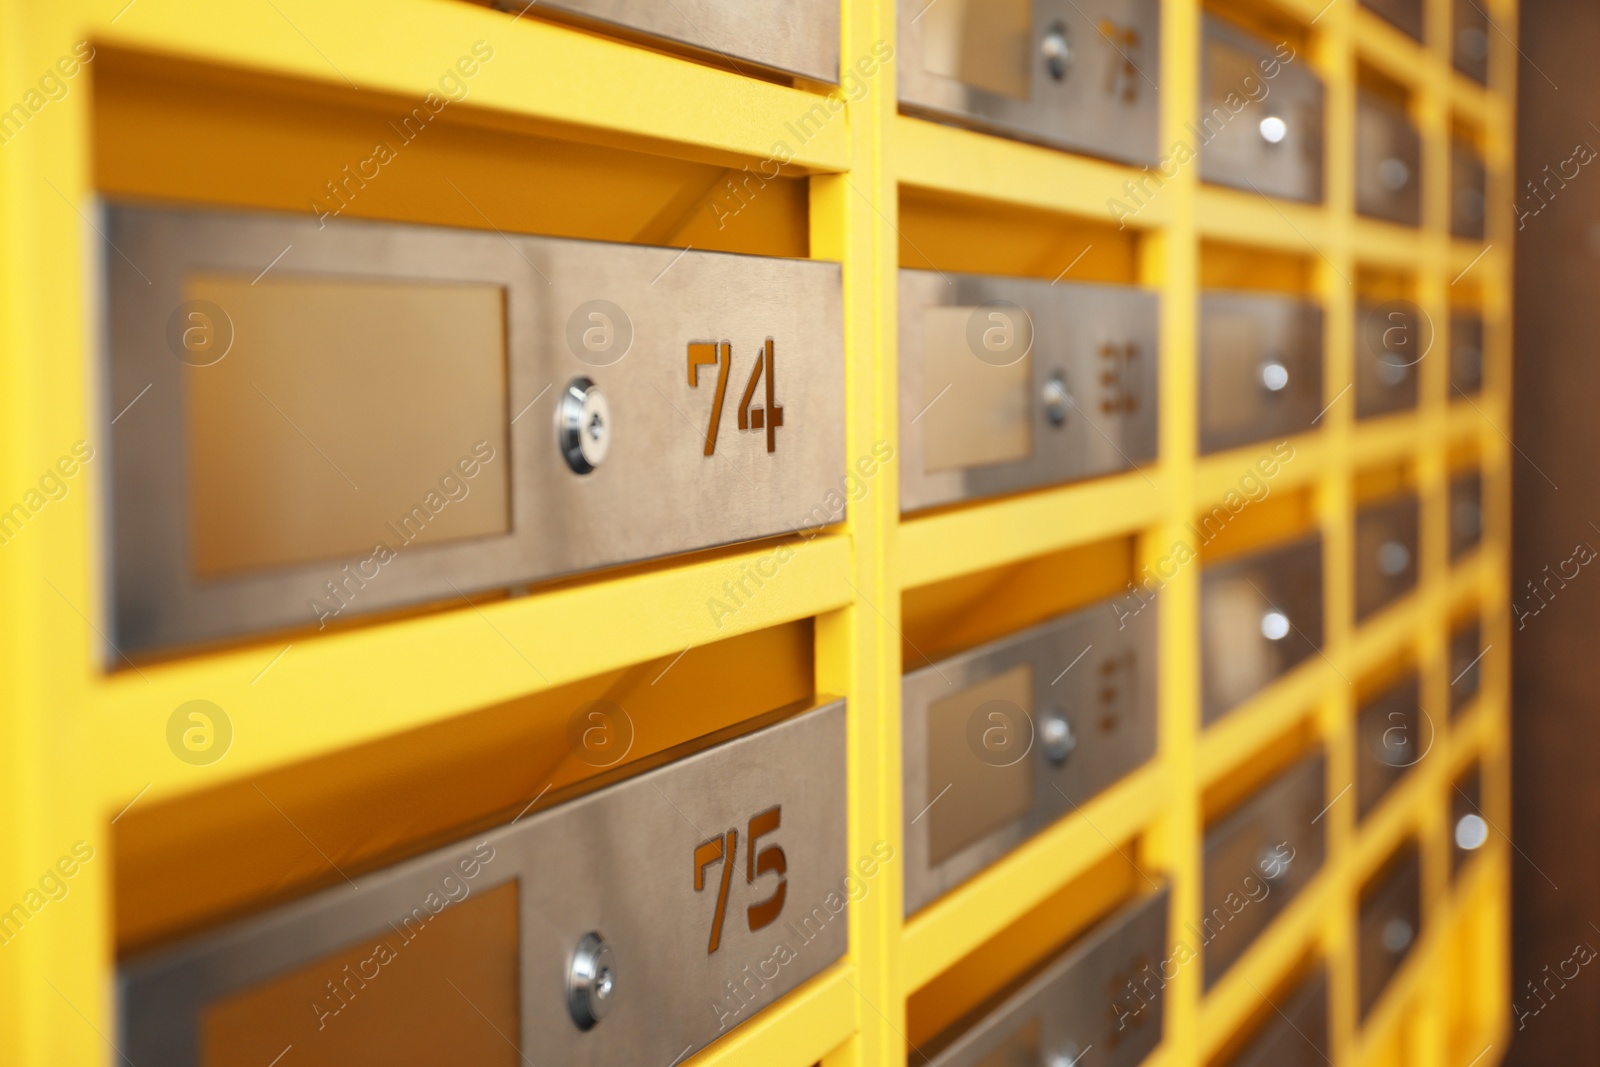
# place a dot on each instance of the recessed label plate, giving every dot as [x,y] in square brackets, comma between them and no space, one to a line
[718,883]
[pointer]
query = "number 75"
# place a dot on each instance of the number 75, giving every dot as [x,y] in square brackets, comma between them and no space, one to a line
[724,849]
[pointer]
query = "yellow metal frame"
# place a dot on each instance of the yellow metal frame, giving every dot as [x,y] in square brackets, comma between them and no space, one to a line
[77,746]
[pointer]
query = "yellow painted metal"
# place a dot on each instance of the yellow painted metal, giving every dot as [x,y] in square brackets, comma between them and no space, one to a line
[77,745]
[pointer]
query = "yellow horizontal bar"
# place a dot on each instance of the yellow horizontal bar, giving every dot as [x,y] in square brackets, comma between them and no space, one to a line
[1388,244]
[578,81]
[972,913]
[1239,734]
[1385,438]
[1380,44]
[1471,101]
[969,539]
[949,159]
[339,689]
[1217,475]
[1243,217]
[797,1031]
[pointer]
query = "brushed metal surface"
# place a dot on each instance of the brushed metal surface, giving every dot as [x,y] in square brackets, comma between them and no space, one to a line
[1296,1033]
[657,492]
[1103,992]
[1388,161]
[1101,342]
[1395,897]
[1098,674]
[967,62]
[1392,735]
[618,861]
[1469,42]
[1466,664]
[1406,15]
[1237,150]
[1248,343]
[1466,354]
[1238,658]
[1257,858]
[1466,798]
[1469,190]
[795,36]
[1386,534]
[1392,339]
[1466,512]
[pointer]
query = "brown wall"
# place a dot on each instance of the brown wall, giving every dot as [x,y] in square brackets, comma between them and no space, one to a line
[1556,653]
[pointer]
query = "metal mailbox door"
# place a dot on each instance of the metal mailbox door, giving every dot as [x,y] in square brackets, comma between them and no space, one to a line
[1466,663]
[1466,354]
[1296,1035]
[1392,735]
[1392,340]
[1260,368]
[1469,190]
[1466,513]
[1469,830]
[1388,161]
[1003,740]
[1385,554]
[1009,384]
[1469,49]
[632,925]
[1390,920]
[1271,144]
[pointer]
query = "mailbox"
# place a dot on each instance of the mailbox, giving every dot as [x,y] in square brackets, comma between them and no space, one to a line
[634,924]
[1392,340]
[1388,161]
[1385,554]
[1073,74]
[1406,15]
[1466,662]
[1260,368]
[1257,858]
[1469,830]
[313,421]
[1296,1033]
[1466,512]
[1003,740]
[792,36]
[1469,49]
[1104,992]
[1009,384]
[1260,616]
[1270,139]
[1392,735]
[1466,354]
[1468,191]
[1389,924]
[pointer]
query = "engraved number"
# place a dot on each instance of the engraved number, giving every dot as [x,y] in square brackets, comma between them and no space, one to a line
[758,861]
[1118,674]
[767,416]
[1124,76]
[1119,378]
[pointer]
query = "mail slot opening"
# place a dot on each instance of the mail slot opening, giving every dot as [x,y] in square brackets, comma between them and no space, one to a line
[941,231]
[950,616]
[1007,959]
[1244,775]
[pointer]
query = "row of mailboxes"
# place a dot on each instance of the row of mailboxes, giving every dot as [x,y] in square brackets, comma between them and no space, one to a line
[635,923]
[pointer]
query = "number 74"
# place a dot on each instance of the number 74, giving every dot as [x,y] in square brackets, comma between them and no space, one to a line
[724,849]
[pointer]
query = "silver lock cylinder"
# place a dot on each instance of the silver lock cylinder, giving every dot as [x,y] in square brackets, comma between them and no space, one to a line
[1274,376]
[1056,49]
[1056,737]
[591,981]
[583,423]
[1055,398]
[1273,129]
[1394,174]
[1274,625]
[1393,559]
[1472,830]
[1273,865]
[1397,935]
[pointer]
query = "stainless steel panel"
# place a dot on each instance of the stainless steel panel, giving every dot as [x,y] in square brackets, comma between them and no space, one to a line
[1405,14]
[1260,368]
[1466,664]
[1392,735]
[1392,340]
[1002,741]
[1275,146]
[622,862]
[1296,1033]
[657,490]
[1466,354]
[1469,48]
[1075,74]
[1389,924]
[1259,617]
[1388,161]
[1009,384]
[1469,190]
[1466,512]
[1103,993]
[1257,858]
[1385,554]
[796,36]
[1469,830]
